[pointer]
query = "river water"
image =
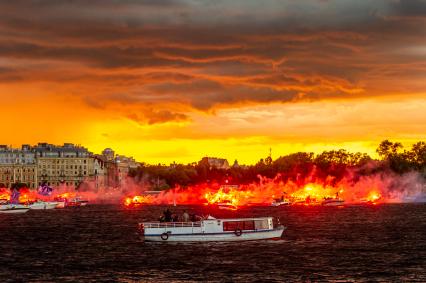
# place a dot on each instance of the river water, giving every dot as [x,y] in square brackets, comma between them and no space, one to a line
[99,243]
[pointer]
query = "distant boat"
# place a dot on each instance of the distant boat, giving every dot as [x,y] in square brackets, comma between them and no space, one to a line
[60,204]
[212,229]
[39,205]
[227,206]
[74,201]
[332,202]
[280,201]
[13,208]
[77,201]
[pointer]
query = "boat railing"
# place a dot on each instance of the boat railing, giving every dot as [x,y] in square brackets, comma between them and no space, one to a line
[171,224]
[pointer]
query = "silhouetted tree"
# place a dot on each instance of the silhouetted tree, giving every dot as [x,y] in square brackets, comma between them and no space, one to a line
[387,148]
[296,167]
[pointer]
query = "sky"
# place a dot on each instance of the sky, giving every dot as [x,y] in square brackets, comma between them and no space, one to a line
[176,80]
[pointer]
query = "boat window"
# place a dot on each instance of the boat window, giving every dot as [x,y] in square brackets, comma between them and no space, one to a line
[261,224]
[233,225]
[248,225]
[230,226]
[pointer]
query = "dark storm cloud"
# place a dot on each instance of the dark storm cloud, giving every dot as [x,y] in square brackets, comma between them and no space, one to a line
[413,8]
[110,56]
[153,117]
[206,54]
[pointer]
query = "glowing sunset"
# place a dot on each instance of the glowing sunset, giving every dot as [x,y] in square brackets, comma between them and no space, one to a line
[176,80]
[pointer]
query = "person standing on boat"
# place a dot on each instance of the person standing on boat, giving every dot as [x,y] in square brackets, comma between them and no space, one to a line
[175,217]
[167,215]
[185,216]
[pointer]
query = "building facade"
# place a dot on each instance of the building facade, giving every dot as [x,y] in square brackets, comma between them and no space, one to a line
[66,165]
[98,167]
[214,162]
[116,168]
[17,166]
[18,173]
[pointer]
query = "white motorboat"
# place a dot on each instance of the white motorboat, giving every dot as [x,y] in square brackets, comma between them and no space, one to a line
[212,229]
[227,206]
[43,205]
[332,202]
[60,204]
[280,203]
[13,208]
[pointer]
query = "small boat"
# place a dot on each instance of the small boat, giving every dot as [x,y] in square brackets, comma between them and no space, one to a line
[280,201]
[65,202]
[227,206]
[60,204]
[38,205]
[223,206]
[77,201]
[212,229]
[13,208]
[332,202]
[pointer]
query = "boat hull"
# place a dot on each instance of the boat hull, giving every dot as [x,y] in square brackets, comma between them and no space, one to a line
[223,207]
[60,204]
[14,211]
[77,203]
[334,203]
[43,205]
[13,208]
[283,203]
[269,234]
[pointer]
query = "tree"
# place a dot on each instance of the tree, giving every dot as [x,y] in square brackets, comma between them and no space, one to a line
[417,155]
[387,148]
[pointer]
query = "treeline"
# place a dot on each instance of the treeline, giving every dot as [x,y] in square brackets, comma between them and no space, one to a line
[334,165]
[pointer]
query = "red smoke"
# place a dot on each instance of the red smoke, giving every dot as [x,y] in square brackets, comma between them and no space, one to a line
[380,188]
[376,188]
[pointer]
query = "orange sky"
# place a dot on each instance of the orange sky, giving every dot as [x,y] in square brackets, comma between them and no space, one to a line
[177,80]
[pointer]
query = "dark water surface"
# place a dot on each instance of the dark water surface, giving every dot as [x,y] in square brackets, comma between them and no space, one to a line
[99,243]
